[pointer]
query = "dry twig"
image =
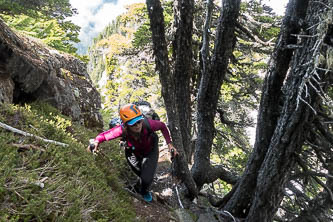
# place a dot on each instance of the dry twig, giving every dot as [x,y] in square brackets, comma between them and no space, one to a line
[12,129]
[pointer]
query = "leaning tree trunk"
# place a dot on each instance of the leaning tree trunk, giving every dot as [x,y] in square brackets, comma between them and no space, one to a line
[299,108]
[271,101]
[209,90]
[172,91]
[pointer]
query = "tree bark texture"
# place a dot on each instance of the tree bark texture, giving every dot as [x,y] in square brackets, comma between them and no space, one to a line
[204,52]
[209,90]
[170,89]
[182,56]
[300,102]
[270,107]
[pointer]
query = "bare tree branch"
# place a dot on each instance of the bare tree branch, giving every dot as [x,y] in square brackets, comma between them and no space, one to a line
[12,129]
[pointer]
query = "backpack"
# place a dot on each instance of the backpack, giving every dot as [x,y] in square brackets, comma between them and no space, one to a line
[114,122]
[146,109]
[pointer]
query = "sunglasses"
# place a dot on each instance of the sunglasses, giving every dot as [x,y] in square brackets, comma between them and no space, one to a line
[135,124]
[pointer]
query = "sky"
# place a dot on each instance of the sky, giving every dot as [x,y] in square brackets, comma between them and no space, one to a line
[94,15]
[278,6]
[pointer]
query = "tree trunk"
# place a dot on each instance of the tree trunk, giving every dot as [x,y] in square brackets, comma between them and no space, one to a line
[270,107]
[300,103]
[209,90]
[288,104]
[183,22]
[170,90]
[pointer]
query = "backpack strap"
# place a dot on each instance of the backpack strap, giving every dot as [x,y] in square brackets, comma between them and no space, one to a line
[151,133]
[147,125]
[123,134]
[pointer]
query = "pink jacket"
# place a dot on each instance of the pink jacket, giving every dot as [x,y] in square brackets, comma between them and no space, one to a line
[142,146]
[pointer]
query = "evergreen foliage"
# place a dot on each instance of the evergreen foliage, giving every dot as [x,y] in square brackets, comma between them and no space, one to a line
[51,9]
[142,36]
[49,31]
[45,20]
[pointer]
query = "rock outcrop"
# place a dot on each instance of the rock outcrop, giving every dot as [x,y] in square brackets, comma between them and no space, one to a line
[30,71]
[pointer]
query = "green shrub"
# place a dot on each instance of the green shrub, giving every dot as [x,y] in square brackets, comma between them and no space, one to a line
[47,182]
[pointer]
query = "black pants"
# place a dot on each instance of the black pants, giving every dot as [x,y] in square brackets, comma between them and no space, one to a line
[144,167]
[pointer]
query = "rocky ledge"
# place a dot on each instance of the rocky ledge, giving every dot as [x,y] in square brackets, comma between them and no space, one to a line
[30,71]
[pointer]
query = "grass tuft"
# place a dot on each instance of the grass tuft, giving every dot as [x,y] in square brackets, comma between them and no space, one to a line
[45,182]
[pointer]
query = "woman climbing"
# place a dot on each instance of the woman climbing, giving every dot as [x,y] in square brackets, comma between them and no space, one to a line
[142,144]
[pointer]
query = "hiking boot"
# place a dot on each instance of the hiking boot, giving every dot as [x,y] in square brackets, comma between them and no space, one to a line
[148,197]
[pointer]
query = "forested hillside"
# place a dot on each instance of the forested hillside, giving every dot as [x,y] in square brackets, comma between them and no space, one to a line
[121,62]
[246,94]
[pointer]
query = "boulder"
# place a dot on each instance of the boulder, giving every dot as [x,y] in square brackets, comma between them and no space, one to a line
[6,89]
[30,71]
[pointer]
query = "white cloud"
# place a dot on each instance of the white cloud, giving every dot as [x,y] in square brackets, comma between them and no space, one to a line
[94,16]
[279,7]
[106,14]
